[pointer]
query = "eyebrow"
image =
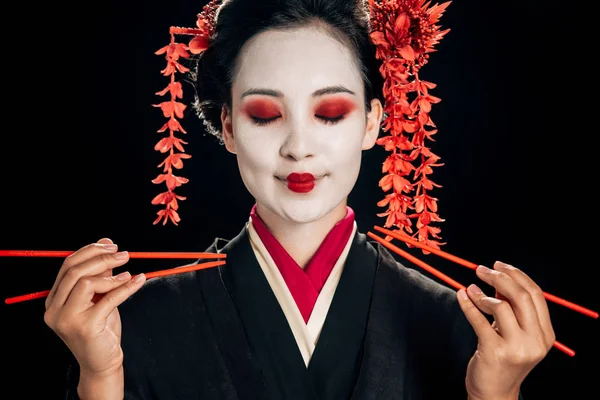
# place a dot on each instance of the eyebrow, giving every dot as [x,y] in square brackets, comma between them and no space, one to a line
[316,93]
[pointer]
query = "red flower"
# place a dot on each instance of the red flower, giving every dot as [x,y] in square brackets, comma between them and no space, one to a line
[205,24]
[173,51]
[168,198]
[198,44]
[405,32]
[173,160]
[171,180]
[167,214]
[171,108]
[174,88]
[167,144]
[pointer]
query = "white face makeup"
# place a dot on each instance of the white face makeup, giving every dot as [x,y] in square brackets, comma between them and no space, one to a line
[298,107]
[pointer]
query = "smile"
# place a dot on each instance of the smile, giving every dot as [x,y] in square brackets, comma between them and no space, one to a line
[300,182]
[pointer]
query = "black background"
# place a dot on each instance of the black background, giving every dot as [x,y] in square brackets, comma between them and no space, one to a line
[515,133]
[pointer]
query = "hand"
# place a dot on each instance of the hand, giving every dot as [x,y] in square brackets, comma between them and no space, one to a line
[91,328]
[518,339]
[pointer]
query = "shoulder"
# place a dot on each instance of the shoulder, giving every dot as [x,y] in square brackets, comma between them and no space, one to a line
[431,309]
[422,287]
[167,294]
[429,305]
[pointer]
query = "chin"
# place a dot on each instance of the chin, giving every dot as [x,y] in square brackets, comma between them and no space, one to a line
[300,208]
[304,211]
[302,214]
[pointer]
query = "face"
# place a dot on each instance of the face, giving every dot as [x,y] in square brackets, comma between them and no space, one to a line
[298,122]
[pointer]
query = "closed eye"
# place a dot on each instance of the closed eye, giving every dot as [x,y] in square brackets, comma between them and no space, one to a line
[329,120]
[263,121]
[266,121]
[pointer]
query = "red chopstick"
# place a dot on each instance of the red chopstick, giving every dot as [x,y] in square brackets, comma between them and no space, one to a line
[473,266]
[132,254]
[444,277]
[149,275]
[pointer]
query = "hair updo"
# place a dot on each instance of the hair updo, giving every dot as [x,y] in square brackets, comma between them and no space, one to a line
[237,21]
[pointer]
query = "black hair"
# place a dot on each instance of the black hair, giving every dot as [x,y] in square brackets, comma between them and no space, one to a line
[237,21]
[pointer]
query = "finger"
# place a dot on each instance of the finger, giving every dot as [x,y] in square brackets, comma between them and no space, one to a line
[81,296]
[501,311]
[518,297]
[114,298]
[91,267]
[478,321]
[107,241]
[103,246]
[537,295]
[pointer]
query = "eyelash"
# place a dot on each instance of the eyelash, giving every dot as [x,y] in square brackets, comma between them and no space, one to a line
[262,121]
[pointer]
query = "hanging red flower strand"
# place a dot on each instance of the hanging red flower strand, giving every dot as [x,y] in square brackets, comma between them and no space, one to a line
[405,32]
[173,109]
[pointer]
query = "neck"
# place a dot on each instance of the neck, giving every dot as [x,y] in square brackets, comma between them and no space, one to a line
[301,240]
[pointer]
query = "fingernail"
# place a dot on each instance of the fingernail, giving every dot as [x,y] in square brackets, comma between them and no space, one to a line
[484,269]
[109,247]
[123,276]
[502,266]
[492,300]
[475,289]
[121,255]
[463,294]
[138,278]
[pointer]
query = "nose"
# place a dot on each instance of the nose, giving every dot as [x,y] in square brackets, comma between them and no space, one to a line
[298,144]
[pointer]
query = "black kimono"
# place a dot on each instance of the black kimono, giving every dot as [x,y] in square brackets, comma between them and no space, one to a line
[390,333]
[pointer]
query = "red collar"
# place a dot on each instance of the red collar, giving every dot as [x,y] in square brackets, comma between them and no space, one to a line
[306,284]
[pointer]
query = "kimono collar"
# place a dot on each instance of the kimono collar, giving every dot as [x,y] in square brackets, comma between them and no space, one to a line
[306,284]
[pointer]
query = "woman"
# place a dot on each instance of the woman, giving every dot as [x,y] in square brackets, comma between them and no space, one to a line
[306,307]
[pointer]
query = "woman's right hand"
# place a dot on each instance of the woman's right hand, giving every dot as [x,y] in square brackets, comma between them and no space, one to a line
[90,325]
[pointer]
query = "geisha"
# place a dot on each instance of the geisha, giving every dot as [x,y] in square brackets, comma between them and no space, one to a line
[306,307]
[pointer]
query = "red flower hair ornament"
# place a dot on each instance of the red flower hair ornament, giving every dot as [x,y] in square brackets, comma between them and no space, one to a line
[404,33]
[173,109]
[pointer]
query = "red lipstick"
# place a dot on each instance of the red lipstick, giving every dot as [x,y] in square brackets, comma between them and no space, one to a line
[300,183]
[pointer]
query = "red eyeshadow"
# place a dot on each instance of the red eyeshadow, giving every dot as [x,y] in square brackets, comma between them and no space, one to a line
[262,109]
[332,108]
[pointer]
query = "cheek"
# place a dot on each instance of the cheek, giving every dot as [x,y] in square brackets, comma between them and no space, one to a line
[345,152]
[346,142]
[346,162]
[256,152]
[249,152]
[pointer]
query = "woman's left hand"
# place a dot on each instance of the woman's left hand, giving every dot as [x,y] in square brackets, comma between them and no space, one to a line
[518,339]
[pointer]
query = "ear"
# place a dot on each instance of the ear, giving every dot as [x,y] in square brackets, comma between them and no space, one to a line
[373,124]
[227,130]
